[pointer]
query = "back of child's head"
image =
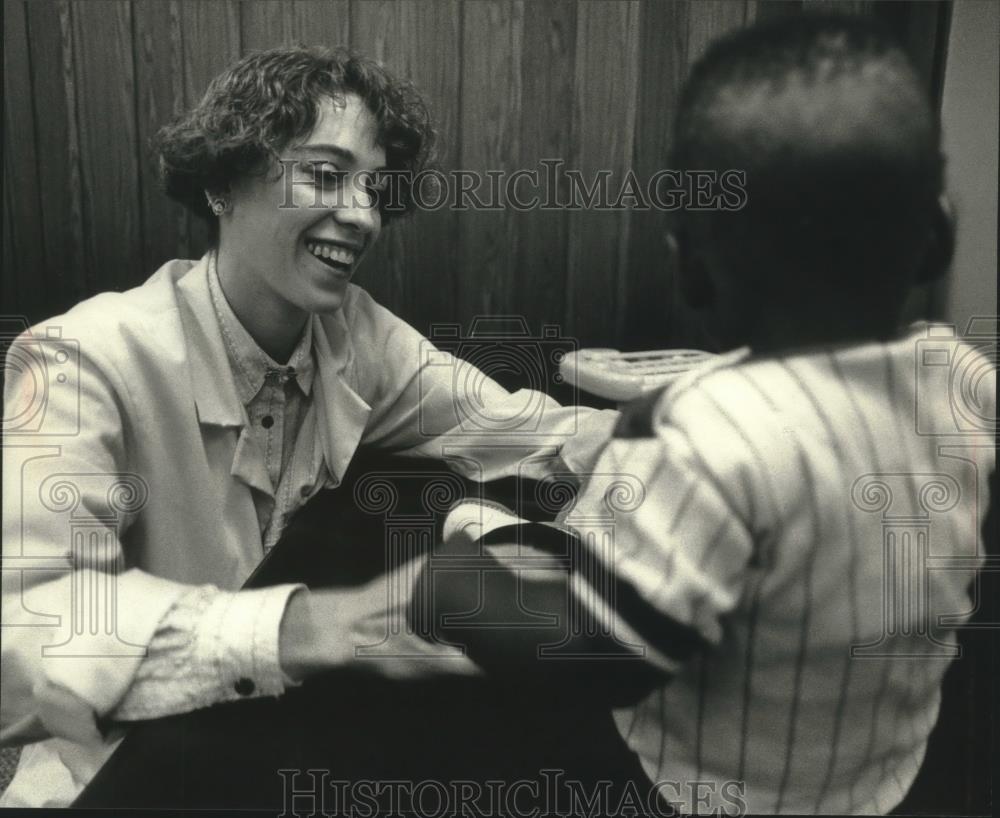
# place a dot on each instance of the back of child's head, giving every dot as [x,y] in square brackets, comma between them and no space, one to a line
[840,145]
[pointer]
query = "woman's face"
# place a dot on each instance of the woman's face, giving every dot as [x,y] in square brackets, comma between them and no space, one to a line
[293,237]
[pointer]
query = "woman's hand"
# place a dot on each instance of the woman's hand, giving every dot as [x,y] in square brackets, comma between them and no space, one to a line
[364,628]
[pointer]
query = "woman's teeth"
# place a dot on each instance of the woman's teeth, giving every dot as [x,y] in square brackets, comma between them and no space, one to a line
[332,253]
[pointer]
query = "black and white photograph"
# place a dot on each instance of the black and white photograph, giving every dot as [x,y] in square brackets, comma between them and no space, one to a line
[500,408]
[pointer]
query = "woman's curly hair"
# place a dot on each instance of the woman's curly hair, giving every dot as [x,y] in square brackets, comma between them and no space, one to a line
[267,100]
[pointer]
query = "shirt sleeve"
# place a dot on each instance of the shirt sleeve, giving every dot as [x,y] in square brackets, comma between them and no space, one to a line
[667,546]
[211,646]
[433,404]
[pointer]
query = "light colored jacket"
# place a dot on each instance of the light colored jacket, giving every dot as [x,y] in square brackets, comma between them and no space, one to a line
[124,483]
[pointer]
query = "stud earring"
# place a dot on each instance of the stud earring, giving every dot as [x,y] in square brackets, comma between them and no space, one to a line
[217,204]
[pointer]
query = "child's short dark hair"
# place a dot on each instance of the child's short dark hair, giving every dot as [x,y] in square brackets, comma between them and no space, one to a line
[264,101]
[839,141]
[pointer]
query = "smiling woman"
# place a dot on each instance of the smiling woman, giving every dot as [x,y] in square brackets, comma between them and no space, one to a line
[197,413]
[279,156]
[280,261]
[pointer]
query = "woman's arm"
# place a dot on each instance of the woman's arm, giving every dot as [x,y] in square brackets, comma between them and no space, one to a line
[428,403]
[65,662]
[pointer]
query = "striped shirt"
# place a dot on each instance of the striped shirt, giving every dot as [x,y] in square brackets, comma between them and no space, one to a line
[810,518]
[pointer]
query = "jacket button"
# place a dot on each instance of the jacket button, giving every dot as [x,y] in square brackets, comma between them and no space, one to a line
[245,687]
[267,421]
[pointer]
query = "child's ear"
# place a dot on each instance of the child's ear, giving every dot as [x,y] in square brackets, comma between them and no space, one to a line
[691,271]
[940,246]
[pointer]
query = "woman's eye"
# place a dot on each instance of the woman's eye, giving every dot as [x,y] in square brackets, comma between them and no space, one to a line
[328,176]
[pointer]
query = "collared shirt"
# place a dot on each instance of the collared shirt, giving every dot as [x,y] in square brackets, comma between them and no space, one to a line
[215,645]
[780,523]
[277,399]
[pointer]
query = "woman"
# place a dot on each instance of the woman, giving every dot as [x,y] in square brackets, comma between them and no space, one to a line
[212,402]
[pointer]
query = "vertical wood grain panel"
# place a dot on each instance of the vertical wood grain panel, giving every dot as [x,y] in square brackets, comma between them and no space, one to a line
[321,22]
[760,10]
[159,64]
[211,34]
[23,234]
[604,123]
[708,20]
[649,309]
[491,109]
[211,37]
[593,83]
[861,7]
[377,33]
[106,113]
[413,268]
[54,88]
[304,22]
[12,304]
[263,25]
[547,82]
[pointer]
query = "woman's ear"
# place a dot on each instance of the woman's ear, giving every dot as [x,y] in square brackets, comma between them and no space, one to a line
[940,247]
[691,271]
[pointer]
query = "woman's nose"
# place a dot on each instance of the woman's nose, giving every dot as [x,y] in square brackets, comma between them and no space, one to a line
[360,212]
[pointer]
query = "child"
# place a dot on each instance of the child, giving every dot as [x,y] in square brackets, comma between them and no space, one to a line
[769,524]
[782,483]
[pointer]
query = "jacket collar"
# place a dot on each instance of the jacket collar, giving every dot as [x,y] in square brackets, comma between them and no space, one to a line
[342,413]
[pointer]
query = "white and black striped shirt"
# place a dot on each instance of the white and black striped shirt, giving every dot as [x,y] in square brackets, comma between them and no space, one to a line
[810,518]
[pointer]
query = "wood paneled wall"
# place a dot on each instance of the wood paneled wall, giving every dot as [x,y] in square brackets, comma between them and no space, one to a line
[511,82]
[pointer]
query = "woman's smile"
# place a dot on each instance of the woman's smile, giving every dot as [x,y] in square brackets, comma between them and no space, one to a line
[340,257]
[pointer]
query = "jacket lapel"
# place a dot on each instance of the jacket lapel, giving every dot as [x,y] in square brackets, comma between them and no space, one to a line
[211,377]
[341,413]
[215,396]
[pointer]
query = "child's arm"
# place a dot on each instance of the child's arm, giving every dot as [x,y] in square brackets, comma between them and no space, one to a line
[657,556]
[513,602]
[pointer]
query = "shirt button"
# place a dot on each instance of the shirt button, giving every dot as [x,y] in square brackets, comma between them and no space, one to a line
[245,686]
[267,421]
